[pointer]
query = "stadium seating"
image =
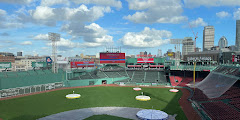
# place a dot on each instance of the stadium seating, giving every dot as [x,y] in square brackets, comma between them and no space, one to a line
[219,110]
[94,75]
[112,74]
[86,76]
[138,76]
[101,74]
[151,76]
[162,77]
[130,74]
[123,73]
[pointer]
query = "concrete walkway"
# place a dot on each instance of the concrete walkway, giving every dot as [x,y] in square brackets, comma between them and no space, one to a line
[80,114]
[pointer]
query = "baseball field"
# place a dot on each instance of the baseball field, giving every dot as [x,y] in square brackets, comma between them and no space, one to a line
[44,104]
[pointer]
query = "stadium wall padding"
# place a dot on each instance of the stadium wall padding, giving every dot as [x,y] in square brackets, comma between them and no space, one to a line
[21,79]
[74,83]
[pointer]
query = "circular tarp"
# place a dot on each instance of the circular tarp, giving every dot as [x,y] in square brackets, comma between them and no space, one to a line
[142,98]
[149,114]
[173,90]
[73,96]
[137,89]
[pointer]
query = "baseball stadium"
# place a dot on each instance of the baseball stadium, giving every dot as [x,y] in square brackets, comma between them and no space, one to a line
[121,89]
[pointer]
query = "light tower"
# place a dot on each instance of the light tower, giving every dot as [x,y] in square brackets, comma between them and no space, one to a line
[54,37]
[177,43]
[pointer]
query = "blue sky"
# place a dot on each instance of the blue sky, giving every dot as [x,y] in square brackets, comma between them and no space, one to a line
[88,26]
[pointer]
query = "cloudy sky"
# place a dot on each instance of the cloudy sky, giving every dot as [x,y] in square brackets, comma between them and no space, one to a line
[88,26]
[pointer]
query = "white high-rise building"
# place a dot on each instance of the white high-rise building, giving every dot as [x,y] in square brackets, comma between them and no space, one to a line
[222,43]
[237,43]
[208,37]
[159,52]
[188,45]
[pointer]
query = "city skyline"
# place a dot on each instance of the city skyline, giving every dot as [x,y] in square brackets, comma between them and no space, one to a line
[90,26]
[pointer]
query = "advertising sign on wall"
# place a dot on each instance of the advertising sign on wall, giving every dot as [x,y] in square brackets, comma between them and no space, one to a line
[145,60]
[82,64]
[112,58]
[39,64]
[5,65]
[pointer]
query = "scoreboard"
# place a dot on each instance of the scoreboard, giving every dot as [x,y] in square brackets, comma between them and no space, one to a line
[106,58]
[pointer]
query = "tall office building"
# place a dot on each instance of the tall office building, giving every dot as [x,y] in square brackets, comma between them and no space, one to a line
[237,43]
[188,45]
[208,37]
[222,43]
[19,53]
[159,52]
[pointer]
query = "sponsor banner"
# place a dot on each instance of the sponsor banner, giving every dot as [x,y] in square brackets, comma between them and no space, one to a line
[170,54]
[82,64]
[134,65]
[29,89]
[80,59]
[233,56]
[112,58]
[48,60]
[145,60]
[5,65]
[39,64]
[156,65]
[199,58]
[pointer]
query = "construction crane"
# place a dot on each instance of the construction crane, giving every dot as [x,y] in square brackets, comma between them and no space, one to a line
[195,35]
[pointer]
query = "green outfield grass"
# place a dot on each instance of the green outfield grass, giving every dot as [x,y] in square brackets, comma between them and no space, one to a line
[44,104]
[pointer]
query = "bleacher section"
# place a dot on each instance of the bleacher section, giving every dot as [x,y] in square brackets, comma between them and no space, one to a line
[138,76]
[123,73]
[228,70]
[162,77]
[86,76]
[101,74]
[112,74]
[225,107]
[94,75]
[130,74]
[151,77]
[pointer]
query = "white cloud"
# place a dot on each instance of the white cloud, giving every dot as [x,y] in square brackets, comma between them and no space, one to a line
[222,14]
[53,2]
[146,38]
[236,14]
[198,22]
[7,21]
[26,43]
[113,3]
[42,13]
[92,34]
[41,37]
[209,3]
[156,11]
[17,1]
[50,16]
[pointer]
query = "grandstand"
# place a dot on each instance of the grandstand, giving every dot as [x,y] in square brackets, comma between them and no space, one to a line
[215,96]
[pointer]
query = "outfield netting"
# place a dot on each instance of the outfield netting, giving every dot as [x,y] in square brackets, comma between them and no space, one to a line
[215,84]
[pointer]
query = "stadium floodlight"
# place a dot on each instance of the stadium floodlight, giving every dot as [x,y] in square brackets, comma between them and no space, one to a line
[54,37]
